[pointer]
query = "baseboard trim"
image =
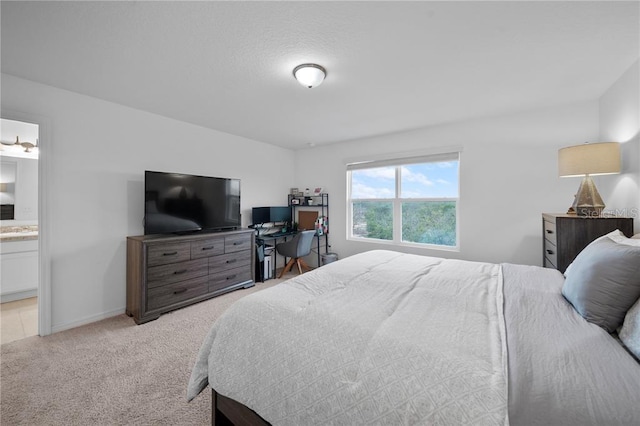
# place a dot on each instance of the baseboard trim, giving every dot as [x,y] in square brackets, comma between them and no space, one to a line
[18,295]
[87,320]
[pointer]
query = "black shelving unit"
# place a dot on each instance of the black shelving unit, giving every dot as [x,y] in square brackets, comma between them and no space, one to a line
[319,203]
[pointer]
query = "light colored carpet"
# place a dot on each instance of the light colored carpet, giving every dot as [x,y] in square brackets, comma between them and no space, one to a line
[112,372]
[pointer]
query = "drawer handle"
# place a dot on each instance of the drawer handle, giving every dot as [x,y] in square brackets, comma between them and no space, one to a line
[232,261]
[549,231]
[231,277]
[237,243]
[173,253]
[549,251]
[182,290]
[208,248]
[181,271]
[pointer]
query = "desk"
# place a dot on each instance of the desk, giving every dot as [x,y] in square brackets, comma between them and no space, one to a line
[273,240]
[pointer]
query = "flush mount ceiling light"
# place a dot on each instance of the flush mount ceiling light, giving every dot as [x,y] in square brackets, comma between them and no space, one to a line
[309,75]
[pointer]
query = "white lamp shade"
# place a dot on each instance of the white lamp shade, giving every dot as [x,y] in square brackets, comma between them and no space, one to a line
[589,159]
[309,75]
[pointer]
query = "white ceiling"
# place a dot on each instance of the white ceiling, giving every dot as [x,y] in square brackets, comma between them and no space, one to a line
[391,66]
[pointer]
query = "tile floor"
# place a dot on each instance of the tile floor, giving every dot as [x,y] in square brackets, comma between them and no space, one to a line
[18,319]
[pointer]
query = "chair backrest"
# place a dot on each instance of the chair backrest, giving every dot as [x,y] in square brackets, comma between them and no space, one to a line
[299,246]
[304,243]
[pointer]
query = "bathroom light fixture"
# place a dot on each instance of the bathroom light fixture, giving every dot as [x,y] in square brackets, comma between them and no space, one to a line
[587,160]
[26,145]
[309,75]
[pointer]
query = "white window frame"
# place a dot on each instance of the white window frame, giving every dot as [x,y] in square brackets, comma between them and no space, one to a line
[397,162]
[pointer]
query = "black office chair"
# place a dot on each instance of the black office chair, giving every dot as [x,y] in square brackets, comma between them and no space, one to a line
[296,249]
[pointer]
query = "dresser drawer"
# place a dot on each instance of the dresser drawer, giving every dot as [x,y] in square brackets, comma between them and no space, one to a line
[234,243]
[221,280]
[550,232]
[168,253]
[229,261]
[160,297]
[206,248]
[551,253]
[174,272]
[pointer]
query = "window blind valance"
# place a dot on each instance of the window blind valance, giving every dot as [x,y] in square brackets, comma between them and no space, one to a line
[403,160]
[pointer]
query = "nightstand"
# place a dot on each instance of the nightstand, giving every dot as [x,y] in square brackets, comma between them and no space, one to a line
[564,236]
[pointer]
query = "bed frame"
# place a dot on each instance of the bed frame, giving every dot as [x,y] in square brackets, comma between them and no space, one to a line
[226,411]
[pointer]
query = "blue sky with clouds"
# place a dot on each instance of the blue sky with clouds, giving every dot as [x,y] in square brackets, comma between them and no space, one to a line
[428,180]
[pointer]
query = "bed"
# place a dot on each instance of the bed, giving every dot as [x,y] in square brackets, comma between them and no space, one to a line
[389,338]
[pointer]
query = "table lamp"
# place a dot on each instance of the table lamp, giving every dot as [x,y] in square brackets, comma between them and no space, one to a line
[587,160]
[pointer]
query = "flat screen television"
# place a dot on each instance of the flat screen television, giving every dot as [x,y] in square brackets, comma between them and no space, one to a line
[278,214]
[182,203]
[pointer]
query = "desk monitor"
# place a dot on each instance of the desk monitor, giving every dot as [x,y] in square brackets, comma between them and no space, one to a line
[280,214]
[260,215]
[270,214]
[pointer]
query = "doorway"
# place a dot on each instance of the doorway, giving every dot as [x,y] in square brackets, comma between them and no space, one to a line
[19,229]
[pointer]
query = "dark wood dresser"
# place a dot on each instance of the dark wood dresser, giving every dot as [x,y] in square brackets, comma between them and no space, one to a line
[169,272]
[564,236]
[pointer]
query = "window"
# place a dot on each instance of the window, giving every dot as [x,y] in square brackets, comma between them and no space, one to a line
[411,201]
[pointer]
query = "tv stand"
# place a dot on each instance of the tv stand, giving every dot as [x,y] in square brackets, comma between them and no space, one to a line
[167,272]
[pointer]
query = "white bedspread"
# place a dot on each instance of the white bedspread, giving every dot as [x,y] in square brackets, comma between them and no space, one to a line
[397,339]
[563,370]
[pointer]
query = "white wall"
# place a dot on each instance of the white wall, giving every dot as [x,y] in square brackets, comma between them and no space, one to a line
[25,189]
[98,153]
[8,175]
[620,122]
[10,129]
[26,209]
[508,178]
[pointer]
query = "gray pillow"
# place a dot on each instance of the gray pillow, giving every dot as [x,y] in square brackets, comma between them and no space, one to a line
[604,282]
[630,331]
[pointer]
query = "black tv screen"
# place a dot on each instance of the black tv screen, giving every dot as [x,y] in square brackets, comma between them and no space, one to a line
[181,203]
